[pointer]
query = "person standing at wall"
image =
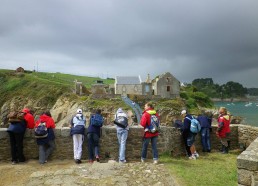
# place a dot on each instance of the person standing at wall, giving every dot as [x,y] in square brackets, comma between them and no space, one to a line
[46,144]
[223,130]
[122,128]
[19,121]
[149,136]
[190,136]
[78,123]
[93,135]
[205,123]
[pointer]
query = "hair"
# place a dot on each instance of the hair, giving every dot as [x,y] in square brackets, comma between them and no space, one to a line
[98,111]
[47,113]
[150,104]
[225,111]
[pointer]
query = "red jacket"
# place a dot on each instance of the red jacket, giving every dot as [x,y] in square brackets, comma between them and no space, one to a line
[49,121]
[223,125]
[145,121]
[28,117]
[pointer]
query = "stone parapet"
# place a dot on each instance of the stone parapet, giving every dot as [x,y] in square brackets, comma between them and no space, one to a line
[170,140]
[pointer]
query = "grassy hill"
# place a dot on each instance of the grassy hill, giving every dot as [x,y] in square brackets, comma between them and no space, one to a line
[40,85]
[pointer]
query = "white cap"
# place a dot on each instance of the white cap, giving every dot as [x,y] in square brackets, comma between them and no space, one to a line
[79,111]
[183,112]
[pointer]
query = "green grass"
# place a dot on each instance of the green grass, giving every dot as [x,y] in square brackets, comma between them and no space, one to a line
[210,169]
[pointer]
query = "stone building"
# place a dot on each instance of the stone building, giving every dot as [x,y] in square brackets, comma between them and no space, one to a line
[20,70]
[166,86]
[128,85]
[80,89]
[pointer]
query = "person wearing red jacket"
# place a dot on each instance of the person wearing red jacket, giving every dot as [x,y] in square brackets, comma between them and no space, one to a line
[28,117]
[47,144]
[223,130]
[148,136]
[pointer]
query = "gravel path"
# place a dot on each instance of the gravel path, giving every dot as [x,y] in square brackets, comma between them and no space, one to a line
[67,173]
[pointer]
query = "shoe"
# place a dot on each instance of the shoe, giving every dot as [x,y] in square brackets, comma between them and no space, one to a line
[196,155]
[208,151]
[90,161]
[122,161]
[14,162]
[79,161]
[97,158]
[142,160]
[155,162]
[192,157]
[76,161]
[45,161]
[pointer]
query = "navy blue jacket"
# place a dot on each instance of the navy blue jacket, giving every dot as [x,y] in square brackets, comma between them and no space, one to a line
[78,125]
[94,129]
[17,127]
[187,122]
[205,122]
[50,136]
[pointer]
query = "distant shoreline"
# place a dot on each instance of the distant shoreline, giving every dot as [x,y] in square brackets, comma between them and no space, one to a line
[234,99]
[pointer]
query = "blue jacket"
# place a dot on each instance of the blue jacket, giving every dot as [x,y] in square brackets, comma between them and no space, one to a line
[50,136]
[94,129]
[17,127]
[205,122]
[187,123]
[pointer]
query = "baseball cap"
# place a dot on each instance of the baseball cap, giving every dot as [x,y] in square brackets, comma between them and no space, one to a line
[183,112]
[79,111]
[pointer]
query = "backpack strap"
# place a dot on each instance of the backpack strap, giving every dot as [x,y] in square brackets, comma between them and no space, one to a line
[188,118]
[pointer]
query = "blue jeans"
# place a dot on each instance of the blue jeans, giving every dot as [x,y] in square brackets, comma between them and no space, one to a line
[153,146]
[46,150]
[205,137]
[122,137]
[93,145]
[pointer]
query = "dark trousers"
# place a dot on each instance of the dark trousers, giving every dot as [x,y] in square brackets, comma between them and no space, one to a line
[93,145]
[187,148]
[16,141]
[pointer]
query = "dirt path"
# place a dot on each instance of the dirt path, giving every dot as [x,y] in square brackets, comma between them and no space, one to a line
[67,173]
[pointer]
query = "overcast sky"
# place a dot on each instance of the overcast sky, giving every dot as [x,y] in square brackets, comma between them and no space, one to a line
[190,39]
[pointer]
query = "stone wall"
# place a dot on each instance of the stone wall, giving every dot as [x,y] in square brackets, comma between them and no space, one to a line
[247,161]
[169,140]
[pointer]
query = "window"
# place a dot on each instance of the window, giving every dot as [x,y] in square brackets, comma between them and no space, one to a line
[168,88]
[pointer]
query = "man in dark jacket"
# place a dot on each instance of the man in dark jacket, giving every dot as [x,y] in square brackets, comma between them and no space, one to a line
[205,123]
[93,135]
[190,138]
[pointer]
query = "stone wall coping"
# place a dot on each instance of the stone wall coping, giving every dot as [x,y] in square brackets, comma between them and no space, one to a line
[249,158]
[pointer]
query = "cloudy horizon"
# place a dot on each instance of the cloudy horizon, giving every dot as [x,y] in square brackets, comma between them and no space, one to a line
[202,39]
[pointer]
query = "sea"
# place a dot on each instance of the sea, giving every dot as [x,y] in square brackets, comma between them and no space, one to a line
[247,110]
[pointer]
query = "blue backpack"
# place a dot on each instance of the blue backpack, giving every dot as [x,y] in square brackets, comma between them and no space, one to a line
[154,124]
[96,120]
[195,125]
[41,130]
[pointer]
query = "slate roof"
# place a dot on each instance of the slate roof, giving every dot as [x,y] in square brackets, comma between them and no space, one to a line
[128,80]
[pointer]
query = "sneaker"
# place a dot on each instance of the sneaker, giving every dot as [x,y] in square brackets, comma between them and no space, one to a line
[192,157]
[142,160]
[76,161]
[196,155]
[90,161]
[155,161]
[122,161]
[14,162]
[79,161]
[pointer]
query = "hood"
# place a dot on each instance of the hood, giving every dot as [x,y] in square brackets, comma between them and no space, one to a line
[44,117]
[226,117]
[120,110]
[26,110]
[151,112]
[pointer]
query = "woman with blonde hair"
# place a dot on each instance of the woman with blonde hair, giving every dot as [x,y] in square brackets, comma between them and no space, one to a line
[223,130]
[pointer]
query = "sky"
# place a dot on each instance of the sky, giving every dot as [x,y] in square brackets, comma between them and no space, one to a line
[108,38]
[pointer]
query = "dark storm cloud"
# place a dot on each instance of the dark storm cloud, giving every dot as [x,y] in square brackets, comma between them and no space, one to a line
[191,39]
